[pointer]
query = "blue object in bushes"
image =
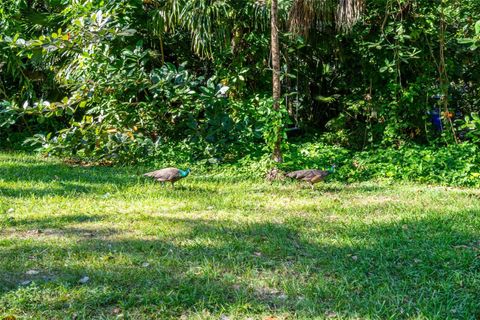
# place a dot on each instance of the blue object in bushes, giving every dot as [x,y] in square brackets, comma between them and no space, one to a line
[435,115]
[436,119]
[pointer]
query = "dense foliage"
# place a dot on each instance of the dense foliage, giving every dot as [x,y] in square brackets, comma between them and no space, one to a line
[135,80]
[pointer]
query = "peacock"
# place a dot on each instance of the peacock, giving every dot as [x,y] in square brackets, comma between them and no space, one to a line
[168,175]
[311,176]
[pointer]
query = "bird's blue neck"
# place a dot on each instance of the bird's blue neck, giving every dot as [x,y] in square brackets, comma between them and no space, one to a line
[184,173]
[332,169]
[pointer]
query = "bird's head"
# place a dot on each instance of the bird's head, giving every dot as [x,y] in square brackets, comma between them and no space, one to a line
[185,173]
[332,168]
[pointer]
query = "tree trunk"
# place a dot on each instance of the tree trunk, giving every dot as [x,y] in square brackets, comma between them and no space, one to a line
[276,89]
[443,72]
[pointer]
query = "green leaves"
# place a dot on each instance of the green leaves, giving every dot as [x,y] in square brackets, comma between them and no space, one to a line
[273,122]
[474,42]
[137,75]
[451,165]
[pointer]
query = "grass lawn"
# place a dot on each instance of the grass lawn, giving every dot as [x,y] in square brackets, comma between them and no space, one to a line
[98,243]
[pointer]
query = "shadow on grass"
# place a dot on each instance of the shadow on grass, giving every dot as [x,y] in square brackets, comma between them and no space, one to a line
[426,269]
[56,179]
[50,221]
[49,172]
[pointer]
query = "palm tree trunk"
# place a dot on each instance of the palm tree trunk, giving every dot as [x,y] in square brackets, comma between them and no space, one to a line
[276,89]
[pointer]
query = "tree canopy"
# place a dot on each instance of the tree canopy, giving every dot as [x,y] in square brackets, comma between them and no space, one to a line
[129,80]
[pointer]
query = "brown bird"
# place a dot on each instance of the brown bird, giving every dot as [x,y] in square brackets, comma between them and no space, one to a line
[311,176]
[168,175]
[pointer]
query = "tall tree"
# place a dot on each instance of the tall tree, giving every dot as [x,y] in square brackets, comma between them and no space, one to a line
[276,89]
[304,16]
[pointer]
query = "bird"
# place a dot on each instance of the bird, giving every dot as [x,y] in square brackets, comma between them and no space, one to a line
[168,175]
[311,176]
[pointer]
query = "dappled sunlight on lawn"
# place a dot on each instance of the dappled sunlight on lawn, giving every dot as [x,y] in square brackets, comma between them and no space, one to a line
[248,249]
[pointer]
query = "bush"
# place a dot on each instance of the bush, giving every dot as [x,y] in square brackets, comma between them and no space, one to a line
[457,165]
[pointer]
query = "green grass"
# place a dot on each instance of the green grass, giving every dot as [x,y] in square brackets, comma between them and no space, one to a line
[224,247]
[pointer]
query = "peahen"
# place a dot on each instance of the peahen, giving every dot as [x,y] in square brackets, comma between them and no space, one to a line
[168,175]
[311,176]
